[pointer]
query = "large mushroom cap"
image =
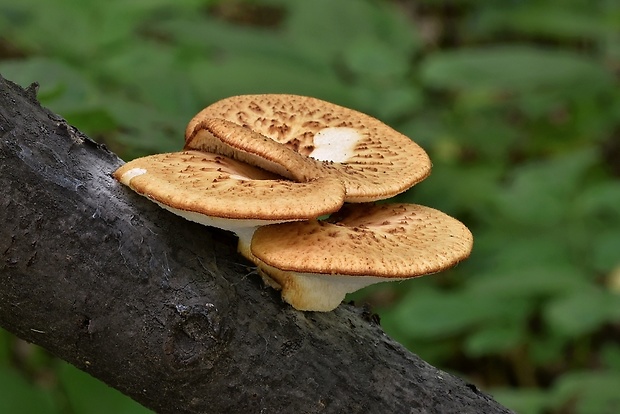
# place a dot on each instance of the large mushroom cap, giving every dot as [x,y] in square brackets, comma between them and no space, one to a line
[316,263]
[373,160]
[390,241]
[204,187]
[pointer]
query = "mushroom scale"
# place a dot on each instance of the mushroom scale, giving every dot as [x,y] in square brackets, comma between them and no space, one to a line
[373,160]
[218,191]
[360,245]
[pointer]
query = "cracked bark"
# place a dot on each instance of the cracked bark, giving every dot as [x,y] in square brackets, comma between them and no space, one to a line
[165,310]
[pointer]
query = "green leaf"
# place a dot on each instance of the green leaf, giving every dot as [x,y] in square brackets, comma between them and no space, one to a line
[396,101]
[605,249]
[88,395]
[204,40]
[547,348]
[512,68]
[452,188]
[324,29]
[522,401]
[600,199]
[5,347]
[541,192]
[430,314]
[582,312]
[552,19]
[138,71]
[247,75]
[494,339]
[507,251]
[588,392]
[19,397]
[529,280]
[610,356]
[63,88]
[373,61]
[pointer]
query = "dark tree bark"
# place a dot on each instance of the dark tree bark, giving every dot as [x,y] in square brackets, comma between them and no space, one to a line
[165,310]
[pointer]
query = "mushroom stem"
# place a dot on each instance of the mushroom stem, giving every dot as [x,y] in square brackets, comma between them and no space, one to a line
[311,291]
[245,235]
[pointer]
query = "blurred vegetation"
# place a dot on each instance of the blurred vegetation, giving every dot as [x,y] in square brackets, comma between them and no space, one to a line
[517,102]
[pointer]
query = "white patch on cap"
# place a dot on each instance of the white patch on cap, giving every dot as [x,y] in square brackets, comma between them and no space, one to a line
[129,175]
[335,144]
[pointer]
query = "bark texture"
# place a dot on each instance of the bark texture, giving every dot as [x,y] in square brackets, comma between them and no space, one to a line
[165,310]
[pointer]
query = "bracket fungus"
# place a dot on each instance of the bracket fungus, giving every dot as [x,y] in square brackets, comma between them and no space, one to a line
[373,160]
[316,263]
[266,167]
[217,191]
[241,143]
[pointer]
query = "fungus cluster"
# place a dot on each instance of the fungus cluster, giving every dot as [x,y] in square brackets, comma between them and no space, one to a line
[267,167]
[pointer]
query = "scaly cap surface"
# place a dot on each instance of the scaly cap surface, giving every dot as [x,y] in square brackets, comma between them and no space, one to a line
[373,160]
[201,186]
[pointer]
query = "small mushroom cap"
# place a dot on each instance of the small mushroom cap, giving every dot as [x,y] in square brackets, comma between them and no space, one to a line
[391,241]
[373,160]
[241,143]
[218,191]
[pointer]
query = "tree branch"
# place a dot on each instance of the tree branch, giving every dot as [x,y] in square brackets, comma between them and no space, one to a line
[164,309]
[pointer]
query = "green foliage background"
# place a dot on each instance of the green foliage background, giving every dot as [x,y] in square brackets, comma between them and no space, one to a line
[517,102]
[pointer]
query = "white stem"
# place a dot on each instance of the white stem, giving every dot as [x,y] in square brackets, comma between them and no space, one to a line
[245,235]
[316,292]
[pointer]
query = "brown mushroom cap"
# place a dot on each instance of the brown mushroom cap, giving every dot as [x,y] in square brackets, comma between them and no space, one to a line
[316,263]
[388,240]
[235,141]
[218,191]
[373,160]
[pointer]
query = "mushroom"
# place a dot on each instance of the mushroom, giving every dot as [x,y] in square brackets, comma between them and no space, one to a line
[218,191]
[372,160]
[316,263]
[267,166]
[235,141]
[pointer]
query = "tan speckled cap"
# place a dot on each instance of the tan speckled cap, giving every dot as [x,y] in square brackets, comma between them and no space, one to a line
[235,141]
[202,187]
[389,240]
[373,160]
